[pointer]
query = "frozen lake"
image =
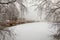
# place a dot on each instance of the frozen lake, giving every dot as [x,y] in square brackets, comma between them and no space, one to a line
[34,31]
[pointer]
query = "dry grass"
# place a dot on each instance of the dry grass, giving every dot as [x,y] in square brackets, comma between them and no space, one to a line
[13,23]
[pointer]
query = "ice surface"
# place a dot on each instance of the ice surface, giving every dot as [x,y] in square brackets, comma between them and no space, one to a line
[34,31]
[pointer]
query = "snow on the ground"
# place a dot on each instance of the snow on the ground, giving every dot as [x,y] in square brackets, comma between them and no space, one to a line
[34,31]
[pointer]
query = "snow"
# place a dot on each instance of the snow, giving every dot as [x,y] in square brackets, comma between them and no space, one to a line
[34,31]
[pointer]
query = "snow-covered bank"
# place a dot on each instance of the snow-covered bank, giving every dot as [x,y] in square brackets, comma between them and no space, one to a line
[33,31]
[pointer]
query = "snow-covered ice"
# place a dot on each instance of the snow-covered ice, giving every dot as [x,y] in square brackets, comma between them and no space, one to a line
[34,31]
